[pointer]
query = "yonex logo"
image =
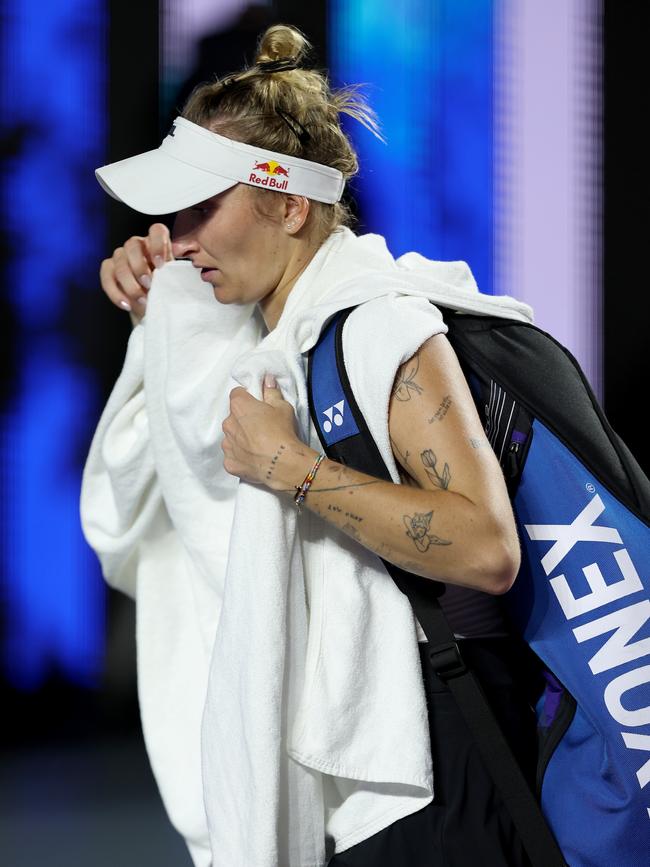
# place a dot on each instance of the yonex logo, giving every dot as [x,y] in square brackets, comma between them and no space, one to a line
[624,623]
[334,416]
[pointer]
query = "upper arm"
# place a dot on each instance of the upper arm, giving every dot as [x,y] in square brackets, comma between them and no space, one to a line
[435,430]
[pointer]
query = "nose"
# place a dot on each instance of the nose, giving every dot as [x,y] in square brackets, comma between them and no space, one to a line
[183,241]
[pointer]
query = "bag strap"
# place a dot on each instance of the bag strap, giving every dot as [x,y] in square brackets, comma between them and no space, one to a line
[352,444]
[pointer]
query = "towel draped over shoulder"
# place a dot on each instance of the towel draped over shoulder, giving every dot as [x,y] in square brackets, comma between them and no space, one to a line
[280,686]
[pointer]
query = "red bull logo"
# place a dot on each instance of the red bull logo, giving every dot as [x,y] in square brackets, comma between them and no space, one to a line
[274,173]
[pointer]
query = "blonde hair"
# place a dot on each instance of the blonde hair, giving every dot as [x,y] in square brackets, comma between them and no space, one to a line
[273,109]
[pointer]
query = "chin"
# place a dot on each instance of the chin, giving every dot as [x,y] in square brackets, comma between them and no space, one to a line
[222,298]
[215,292]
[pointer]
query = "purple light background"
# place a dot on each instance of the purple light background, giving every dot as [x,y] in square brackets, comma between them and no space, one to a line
[548,191]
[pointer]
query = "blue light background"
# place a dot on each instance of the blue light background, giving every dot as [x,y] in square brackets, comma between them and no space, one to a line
[52,65]
[430,69]
[429,63]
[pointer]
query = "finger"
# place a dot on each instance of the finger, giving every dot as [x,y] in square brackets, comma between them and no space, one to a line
[228,466]
[159,243]
[239,394]
[111,288]
[135,250]
[126,280]
[270,391]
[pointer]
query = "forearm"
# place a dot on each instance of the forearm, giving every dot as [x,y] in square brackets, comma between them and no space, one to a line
[437,534]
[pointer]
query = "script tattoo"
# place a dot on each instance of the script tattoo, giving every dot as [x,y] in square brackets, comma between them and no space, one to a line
[440,480]
[351,515]
[417,529]
[274,461]
[478,444]
[405,384]
[442,410]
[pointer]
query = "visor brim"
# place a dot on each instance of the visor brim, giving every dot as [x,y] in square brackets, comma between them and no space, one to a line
[156,183]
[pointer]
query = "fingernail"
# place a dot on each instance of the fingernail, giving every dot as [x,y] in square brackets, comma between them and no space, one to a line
[269,381]
[158,261]
[125,305]
[145,281]
[143,300]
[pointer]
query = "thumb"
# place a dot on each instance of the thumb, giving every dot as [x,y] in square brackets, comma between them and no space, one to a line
[271,392]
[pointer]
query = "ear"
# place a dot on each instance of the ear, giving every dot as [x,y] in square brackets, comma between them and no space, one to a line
[296,209]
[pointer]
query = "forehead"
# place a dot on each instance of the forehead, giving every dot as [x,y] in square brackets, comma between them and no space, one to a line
[225,196]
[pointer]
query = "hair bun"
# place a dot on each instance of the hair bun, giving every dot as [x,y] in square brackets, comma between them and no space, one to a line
[281,42]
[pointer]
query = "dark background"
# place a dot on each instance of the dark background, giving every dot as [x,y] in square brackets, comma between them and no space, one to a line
[76,785]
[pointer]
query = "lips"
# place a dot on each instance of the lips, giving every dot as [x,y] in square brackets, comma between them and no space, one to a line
[206,273]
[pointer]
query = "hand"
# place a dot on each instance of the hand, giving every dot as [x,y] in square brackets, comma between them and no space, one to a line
[260,443]
[126,276]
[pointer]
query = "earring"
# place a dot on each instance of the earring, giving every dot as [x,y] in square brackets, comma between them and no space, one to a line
[291,225]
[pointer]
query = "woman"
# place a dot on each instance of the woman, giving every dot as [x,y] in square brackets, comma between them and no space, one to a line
[254,242]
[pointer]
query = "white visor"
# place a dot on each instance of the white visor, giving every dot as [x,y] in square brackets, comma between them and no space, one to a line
[192,164]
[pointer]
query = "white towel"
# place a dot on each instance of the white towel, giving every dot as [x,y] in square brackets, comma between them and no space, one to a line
[289,697]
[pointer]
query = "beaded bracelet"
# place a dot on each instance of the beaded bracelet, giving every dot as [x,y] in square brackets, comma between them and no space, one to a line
[306,485]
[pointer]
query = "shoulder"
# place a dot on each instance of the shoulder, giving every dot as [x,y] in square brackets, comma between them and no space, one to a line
[391,325]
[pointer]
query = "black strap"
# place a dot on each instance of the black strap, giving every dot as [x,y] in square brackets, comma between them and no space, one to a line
[361,452]
[447,662]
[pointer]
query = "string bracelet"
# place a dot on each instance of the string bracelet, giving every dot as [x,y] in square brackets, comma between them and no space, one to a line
[306,484]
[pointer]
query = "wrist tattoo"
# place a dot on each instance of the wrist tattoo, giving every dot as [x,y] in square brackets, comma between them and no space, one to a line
[273,463]
[417,529]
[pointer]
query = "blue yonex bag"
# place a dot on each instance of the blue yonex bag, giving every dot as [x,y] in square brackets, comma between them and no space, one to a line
[581,599]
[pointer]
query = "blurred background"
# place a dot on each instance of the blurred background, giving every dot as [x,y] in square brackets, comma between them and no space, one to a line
[515,143]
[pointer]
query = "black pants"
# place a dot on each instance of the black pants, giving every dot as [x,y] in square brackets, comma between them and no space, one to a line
[466,823]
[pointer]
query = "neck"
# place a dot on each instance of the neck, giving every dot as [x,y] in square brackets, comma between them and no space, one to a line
[272,305]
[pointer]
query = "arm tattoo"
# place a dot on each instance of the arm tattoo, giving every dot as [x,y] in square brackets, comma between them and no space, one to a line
[405,383]
[404,458]
[442,410]
[343,487]
[351,515]
[349,488]
[417,529]
[440,481]
[478,444]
